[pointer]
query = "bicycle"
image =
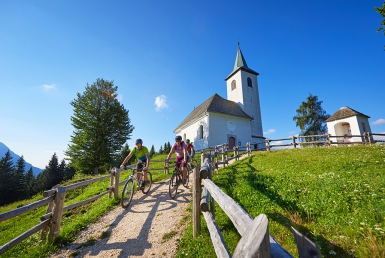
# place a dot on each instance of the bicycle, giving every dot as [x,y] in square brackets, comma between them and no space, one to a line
[129,187]
[175,180]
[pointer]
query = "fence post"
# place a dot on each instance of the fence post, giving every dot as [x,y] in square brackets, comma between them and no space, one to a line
[248,148]
[49,210]
[203,156]
[196,200]
[165,167]
[294,144]
[328,139]
[267,144]
[216,157]
[57,213]
[112,180]
[235,153]
[116,185]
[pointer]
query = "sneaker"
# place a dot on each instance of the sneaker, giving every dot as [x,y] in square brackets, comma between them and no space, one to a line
[184,181]
[192,166]
[142,184]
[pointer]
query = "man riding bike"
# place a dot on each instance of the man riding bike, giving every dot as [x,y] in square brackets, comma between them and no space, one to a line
[190,152]
[141,152]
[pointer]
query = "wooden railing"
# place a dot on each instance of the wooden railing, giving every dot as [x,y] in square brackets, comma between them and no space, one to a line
[319,140]
[255,238]
[50,222]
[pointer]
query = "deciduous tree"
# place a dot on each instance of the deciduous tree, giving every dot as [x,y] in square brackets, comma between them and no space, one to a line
[381,10]
[101,125]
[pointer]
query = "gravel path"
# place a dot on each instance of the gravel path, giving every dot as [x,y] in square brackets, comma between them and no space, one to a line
[137,231]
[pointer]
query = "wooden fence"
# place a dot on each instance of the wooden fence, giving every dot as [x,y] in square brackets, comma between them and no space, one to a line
[255,238]
[50,222]
[319,140]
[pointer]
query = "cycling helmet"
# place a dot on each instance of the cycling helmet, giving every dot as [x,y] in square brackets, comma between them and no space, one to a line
[138,141]
[188,141]
[178,138]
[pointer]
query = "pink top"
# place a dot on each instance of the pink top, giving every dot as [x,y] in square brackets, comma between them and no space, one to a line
[179,150]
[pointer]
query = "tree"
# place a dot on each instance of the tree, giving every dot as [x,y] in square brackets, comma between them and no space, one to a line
[161,150]
[101,125]
[381,10]
[152,151]
[19,176]
[6,179]
[311,117]
[29,183]
[122,154]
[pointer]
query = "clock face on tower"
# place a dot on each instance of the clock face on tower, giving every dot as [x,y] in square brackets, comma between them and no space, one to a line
[231,126]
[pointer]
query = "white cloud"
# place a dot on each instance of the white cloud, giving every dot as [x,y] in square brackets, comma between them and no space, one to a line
[269,131]
[49,87]
[160,103]
[379,122]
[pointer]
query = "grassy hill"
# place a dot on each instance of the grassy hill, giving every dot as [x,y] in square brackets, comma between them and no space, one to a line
[336,196]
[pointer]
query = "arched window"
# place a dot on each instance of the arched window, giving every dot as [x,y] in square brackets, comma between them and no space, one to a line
[233,85]
[249,82]
[201,132]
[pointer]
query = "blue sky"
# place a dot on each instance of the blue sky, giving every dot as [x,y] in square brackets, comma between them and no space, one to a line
[168,57]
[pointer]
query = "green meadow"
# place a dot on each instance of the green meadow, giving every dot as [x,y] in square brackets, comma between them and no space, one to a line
[335,196]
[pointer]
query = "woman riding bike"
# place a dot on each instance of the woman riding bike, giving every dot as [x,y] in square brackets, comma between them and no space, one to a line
[181,155]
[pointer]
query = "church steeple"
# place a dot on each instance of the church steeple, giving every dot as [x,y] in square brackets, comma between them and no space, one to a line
[240,64]
[239,60]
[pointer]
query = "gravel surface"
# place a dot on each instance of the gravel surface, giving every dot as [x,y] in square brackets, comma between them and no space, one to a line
[137,231]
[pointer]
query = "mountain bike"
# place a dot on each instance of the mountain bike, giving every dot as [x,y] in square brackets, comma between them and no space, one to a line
[133,184]
[177,179]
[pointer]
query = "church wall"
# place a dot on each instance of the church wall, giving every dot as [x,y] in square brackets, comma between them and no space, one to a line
[223,126]
[192,132]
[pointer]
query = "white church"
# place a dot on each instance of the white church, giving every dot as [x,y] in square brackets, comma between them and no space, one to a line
[235,120]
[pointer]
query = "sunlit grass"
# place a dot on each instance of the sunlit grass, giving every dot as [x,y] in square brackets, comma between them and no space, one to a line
[335,196]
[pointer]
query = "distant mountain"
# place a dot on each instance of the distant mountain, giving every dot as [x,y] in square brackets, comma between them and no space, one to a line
[15,158]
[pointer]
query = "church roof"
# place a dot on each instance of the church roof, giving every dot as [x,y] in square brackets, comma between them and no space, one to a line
[215,104]
[345,112]
[240,64]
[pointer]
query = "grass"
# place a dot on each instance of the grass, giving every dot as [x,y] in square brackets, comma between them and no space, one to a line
[335,196]
[73,221]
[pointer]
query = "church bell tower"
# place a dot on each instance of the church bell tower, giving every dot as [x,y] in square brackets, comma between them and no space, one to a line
[242,88]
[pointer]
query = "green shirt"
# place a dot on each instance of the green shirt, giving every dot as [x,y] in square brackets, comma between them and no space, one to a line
[140,154]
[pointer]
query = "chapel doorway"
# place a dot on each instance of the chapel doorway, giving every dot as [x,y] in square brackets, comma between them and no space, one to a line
[231,142]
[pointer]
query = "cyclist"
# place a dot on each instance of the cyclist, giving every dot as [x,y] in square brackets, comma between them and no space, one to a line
[181,155]
[190,152]
[141,152]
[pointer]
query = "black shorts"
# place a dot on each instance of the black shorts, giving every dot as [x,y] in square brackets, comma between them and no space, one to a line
[140,165]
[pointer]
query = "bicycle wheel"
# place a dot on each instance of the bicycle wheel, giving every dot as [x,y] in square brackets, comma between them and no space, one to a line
[173,186]
[148,184]
[127,193]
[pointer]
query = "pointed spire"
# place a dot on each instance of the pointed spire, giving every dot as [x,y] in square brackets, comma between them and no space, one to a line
[239,59]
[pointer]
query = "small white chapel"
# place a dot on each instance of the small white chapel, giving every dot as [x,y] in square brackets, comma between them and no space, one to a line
[235,120]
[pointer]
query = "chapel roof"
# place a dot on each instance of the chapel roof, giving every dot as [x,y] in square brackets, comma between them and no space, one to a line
[240,64]
[345,112]
[215,104]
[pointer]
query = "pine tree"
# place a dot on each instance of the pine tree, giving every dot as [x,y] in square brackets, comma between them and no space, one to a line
[152,151]
[168,147]
[101,125]
[29,183]
[161,150]
[19,176]
[52,169]
[6,179]
[311,117]
[121,155]
[165,148]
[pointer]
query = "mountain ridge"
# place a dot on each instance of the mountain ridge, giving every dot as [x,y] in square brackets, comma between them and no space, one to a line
[15,158]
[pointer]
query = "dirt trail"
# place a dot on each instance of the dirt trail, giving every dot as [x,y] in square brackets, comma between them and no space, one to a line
[138,230]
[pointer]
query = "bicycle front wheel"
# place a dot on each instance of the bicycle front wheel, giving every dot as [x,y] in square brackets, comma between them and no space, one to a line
[127,193]
[147,185]
[173,186]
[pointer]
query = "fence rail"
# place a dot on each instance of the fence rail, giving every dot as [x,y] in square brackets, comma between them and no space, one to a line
[255,238]
[55,198]
[323,139]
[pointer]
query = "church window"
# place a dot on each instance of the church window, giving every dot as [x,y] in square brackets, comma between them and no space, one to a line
[249,82]
[201,132]
[233,85]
